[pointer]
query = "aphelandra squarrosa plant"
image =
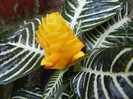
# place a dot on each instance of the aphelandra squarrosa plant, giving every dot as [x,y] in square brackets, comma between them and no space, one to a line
[106,33]
[61,46]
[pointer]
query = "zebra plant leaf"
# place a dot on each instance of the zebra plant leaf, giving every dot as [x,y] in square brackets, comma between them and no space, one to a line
[20,54]
[106,74]
[63,93]
[64,96]
[78,30]
[28,93]
[54,84]
[113,33]
[90,12]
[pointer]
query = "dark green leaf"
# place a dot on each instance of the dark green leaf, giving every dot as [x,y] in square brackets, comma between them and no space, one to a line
[91,12]
[28,93]
[106,74]
[54,84]
[116,32]
[20,54]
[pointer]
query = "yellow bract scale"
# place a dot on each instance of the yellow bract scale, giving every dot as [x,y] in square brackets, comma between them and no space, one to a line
[55,47]
[61,28]
[42,30]
[60,45]
[51,27]
[45,62]
[54,35]
[72,43]
[47,54]
[61,64]
[44,24]
[43,39]
[64,36]
[77,56]
[40,42]
[70,53]
[54,57]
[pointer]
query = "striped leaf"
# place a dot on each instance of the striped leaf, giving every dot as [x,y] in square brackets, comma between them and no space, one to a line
[20,54]
[54,84]
[28,93]
[113,33]
[106,74]
[90,12]
[78,30]
[63,92]
[64,96]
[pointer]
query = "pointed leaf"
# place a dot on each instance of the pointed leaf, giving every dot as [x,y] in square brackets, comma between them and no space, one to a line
[90,12]
[20,54]
[28,93]
[113,33]
[106,74]
[64,96]
[78,30]
[54,83]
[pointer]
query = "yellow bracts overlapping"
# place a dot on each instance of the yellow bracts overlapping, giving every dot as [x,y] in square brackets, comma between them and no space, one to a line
[61,46]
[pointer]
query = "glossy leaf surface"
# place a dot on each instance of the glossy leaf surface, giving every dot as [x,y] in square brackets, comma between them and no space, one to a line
[20,54]
[113,33]
[54,84]
[90,12]
[106,74]
[28,93]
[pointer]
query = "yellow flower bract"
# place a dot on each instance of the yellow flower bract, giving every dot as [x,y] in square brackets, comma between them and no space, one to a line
[61,46]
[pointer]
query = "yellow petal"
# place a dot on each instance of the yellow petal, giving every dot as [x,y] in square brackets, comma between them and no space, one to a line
[40,42]
[71,51]
[60,19]
[55,47]
[44,24]
[54,57]
[61,28]
[42,30]
[41,39]
[54,35]
[51,27]
[45,62]
[60,65]
[77,56]
[65,36]
[67,23]
[51,37]
[47,54]
[44,38]
[72,44]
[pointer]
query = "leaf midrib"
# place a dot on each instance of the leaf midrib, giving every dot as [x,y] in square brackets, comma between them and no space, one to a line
[47,94]
[27,47]
[100,72]
[110,30]
[77,13]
